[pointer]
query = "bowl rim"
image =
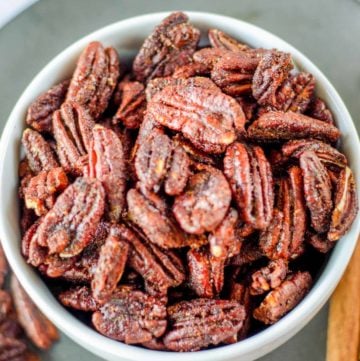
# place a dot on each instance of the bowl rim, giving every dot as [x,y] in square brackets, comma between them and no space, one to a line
[262,342]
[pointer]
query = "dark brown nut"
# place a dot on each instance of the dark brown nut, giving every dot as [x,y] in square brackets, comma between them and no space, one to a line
[233,73]
[40,112]
[107,164]
[72,126]
[191,70]
[10,348]
[207,117]
[221,40]
[202,322]
[171,44]
[82,203]
[38,152]
[40,193]
[346,205]
[279,126]
[131,316]
[317,191]
[317,109]
[206,273]
[3,267]
[283,298]
[110,267]
[268,277]
[154,221]
[160,269]
[272,71]
[95,78]
[79,298]
[37,327]
[320,242]
[250,252]
[224,241]
[132,106]
[250,178]
[5,305]
[205,201]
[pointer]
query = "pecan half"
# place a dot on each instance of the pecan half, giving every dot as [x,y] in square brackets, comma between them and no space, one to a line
[283,298]
[191,70]
[317,191]
[71,224]
[202,322]
[278,126]
[205,201]
[320,242]
[37,327]
[207,117]
[317,109]
[107,164]
[40,112]
[346,205]
[95,78]
[38,151]
[79,298]
[221,40]
[131,316]
[250,252]
[250,178]
[171,44]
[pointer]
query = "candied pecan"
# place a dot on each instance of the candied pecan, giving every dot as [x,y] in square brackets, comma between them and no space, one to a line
[278,126]
[206,272]
[224,241]
[283,298]
[10,348]
[320,242]
[202,322]
[71,224]
[209,56]
[133,104]
[131,316]
[317,190]
[250,178]
[38,151]
[205,201]
[107,164]
[37,327]
[72,131]
[346,205]
[221,40]
[250,252]
[206,116]
[5,305]
[273,69]
[191,70]
[41,191]
[79,298]
[95,78]
[155,344]
[40,112]
[154,221]
[317,109]
[3,267]
[160,269]
[268,277]
[233,73]
[171,44]
[110,267]
[248,105]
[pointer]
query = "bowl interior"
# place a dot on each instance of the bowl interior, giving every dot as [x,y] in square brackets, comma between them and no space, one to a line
[127,36]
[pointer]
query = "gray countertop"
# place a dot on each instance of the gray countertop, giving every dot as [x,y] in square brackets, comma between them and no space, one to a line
[327,31]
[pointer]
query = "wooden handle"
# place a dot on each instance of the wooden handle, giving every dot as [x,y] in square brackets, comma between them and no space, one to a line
[344,315]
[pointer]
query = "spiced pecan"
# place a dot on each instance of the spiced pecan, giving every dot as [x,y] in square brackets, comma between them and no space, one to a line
[283,298]
[71,224]
[79,298]
[317,191]
[250,252]
[37,327]
[278,126]
[40,112]
[317,109]
[95,78]
[107,164]
[191,70]
[320,242]
[205,201]
[202,322]
[250,178]
[171,44]
[345,205]
[221,40]
[131,316]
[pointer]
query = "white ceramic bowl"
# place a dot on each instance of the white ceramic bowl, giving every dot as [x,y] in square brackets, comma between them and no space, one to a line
[127,36]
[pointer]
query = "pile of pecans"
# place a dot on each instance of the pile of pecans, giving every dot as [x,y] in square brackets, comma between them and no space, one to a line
[19,317]
[178,204]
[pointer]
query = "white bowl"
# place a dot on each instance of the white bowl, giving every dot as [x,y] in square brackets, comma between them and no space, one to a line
[127,36]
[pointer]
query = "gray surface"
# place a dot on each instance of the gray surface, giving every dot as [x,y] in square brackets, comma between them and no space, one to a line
[325,30]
